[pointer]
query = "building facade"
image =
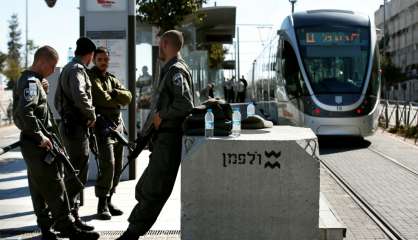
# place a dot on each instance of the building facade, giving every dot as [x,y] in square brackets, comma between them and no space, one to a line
[402,33]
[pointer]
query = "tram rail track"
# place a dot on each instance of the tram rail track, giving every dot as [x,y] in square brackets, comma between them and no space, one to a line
[383,223]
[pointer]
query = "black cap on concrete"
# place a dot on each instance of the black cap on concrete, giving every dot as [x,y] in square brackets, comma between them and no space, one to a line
[84,46]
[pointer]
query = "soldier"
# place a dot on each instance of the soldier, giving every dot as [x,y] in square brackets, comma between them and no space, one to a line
[172,106]
[73,101]
[45,181]
[109,95]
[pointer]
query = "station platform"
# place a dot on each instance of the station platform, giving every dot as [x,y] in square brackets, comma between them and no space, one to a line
[17,220]
[330,225]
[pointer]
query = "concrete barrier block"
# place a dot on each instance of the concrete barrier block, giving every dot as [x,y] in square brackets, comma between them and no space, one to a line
[261,185]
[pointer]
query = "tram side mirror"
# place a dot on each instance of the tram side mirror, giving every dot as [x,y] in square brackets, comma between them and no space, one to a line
[279,32]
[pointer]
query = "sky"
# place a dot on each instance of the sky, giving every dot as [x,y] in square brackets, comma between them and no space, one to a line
[59,26]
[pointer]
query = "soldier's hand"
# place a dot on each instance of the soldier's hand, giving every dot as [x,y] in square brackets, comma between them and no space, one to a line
[45,85]
[46,143]
[91,123]
[157,121]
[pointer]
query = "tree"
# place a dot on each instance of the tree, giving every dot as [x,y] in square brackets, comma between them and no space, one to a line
[13,62]
[31,46]
[216,54]
[166,14]
[3,58]
[12,72]
[391,73]
[14,39]
[31,49]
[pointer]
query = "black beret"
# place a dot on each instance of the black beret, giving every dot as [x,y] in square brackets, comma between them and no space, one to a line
[84,46]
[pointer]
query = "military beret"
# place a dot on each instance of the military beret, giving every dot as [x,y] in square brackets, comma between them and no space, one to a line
[84,46]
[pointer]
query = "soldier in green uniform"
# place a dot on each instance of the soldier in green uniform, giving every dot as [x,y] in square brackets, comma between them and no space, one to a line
[109,95]
[173,100]
[73,101]
[45,181]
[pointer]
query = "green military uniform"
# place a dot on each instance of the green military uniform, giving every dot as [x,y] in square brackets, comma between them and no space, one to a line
[108,97]
[174,103]
[45,182]
[73,101]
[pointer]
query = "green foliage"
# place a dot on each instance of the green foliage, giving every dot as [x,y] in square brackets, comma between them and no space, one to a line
[411,132]
[3,58]
[166,14]
[216,53]
[395,130]
[31,46]
[14,44]
[12,72]
[391,73]
[13,59]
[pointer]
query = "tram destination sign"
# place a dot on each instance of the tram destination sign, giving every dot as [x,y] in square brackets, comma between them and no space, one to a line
[332,38]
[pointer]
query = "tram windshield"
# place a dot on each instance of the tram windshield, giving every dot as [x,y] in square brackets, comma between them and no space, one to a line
[335,58]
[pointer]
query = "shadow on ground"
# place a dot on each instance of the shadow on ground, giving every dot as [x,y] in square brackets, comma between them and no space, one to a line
[12,165]
[29,232]
[14,215]
[335,144]
[14,193]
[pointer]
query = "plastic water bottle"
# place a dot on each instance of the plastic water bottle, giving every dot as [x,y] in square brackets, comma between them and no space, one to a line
[209,123]
[70,54]
[236,123]
[250,109]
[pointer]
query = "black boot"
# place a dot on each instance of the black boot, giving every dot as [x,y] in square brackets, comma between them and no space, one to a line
[128,235]
[47,234]
[79,223]
[103,209]
[112,208]
[74,233]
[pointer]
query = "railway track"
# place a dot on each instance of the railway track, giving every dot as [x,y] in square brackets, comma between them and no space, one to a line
[382,221]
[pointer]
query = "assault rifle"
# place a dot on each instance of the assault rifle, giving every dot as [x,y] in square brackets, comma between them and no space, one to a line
[134,148]
[9,147]
[94,148]
[58,153]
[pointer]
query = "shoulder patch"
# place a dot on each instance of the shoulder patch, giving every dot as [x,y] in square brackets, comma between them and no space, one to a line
[178,79]
[31,91]
[32,79]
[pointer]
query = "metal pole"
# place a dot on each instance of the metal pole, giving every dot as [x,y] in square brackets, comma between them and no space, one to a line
[238,59]
[384,27]
[235,56]
[253,80]
[131,80]
[397,116]
[293,7]
[387,114]
[26,44]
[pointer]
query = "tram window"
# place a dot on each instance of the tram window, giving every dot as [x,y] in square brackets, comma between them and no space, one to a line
[291,71]
[335,58]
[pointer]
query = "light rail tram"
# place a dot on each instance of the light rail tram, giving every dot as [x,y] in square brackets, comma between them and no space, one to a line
[322,71]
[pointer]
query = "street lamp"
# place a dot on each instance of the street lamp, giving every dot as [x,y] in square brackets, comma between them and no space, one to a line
[293,4]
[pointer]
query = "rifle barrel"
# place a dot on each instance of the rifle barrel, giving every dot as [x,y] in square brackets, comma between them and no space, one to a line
[9,147]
